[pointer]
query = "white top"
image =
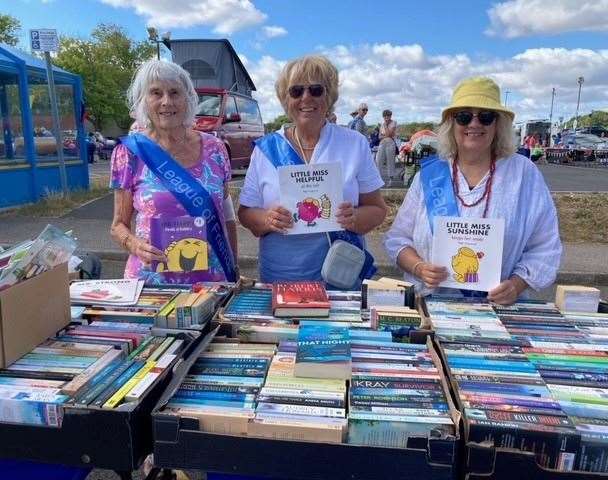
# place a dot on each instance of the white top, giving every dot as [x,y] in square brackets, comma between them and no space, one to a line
[532,247]
[384,127]
[300,257]
[336,144]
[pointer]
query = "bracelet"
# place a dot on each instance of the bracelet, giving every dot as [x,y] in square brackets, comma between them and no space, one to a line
[125,240]
[416,265]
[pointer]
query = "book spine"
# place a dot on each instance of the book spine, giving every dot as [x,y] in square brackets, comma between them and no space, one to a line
[300,410]
[119,396]
[113,387]
[88,396]
[80,380]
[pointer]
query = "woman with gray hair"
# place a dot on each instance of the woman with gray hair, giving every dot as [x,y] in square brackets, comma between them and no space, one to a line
[308,89]
[168,170]
[478,175]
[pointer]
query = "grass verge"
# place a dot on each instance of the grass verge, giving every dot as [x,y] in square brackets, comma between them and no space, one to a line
[583,217]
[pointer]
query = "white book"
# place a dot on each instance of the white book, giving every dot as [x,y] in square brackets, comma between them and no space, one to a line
[470,249]
[312,194]
[120,291]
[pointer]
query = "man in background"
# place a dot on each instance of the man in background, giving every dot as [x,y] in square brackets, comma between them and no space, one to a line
[358,123]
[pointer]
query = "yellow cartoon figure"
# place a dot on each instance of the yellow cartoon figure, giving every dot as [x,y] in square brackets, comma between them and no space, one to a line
[466,265]
[185,255]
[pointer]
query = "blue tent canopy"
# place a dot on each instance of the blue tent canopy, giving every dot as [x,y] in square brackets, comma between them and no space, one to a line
[29,165]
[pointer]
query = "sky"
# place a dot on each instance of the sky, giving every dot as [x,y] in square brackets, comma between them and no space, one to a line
[402,55]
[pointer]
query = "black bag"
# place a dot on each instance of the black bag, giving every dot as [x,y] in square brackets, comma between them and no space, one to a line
[90,268]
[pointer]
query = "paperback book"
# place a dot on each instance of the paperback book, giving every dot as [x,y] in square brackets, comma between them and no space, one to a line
[471,250]
[312,194]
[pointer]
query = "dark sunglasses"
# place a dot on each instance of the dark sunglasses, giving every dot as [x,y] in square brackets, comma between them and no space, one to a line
[465,117]
[315,90]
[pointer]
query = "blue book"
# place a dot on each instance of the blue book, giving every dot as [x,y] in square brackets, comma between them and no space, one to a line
[323,352]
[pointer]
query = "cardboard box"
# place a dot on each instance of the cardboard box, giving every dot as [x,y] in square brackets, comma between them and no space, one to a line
[32,311]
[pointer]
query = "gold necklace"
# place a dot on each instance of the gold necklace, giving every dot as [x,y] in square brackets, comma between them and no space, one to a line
[302,149]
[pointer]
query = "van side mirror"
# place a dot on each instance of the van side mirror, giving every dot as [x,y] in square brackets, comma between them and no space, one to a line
[233,117]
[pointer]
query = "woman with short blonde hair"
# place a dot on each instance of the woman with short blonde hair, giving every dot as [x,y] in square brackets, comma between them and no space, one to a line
[308,89]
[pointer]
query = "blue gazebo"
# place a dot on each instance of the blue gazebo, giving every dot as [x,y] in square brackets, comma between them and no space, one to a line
[29,167]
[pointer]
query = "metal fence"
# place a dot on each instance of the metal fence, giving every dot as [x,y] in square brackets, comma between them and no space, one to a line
[577,157]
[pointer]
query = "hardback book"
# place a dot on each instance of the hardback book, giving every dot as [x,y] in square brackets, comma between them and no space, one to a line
[312,194]
[183,240]
[323,352]
[299,299]
[471,251]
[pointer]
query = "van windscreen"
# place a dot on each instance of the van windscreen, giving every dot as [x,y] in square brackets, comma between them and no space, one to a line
[208,105]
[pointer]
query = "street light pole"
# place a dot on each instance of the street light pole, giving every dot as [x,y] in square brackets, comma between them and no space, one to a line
[507,96]
[551,118]
[580,81]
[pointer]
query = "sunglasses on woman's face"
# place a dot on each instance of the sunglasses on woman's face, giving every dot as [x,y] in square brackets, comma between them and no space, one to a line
[465,117]
[315,90]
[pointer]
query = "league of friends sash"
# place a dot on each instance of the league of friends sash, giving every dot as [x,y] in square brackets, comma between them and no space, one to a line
[187,191]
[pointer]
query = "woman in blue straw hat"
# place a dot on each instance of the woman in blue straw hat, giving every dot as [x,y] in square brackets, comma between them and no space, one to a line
[484,178]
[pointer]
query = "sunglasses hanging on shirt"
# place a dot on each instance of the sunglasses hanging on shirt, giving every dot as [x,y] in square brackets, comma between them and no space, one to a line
[315,90]
[465,117]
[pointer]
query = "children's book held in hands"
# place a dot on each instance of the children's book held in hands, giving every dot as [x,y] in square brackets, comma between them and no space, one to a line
[471,250]
[183,240]
[312,194]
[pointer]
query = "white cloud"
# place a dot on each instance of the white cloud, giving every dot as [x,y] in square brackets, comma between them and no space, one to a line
[418,89]
[225,16]
[274,31]
[519,18]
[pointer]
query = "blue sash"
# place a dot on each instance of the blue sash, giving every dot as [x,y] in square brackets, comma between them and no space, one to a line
[281,154]
[437,189]
[190,193]
[439,198]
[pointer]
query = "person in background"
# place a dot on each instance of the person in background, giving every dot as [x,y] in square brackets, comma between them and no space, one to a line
[91,147]
[385,158]
[481,177]
[162,100]
[358,123]
[331,117]
[353,115]
[307,89]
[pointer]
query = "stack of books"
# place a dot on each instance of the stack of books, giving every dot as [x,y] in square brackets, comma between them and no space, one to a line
[466,320]
[221,386]
[400,321]
[101,365]
[395,393]
[249,315]
[323,351]
[293,408]
[542,389]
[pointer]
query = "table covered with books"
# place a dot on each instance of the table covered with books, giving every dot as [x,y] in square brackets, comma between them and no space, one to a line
[289,381]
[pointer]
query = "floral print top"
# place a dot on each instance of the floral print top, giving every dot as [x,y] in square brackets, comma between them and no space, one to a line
[151,198]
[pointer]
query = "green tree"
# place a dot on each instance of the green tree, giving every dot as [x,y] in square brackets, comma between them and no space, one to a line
[408,129]
[9,29]
[106,64]
[597,118]
[276,124]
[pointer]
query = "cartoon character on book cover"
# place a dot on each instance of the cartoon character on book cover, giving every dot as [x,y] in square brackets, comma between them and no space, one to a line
[310,209]
[183,241]
[466,265]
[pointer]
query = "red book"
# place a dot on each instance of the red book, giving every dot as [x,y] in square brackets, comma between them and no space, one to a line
[299,299]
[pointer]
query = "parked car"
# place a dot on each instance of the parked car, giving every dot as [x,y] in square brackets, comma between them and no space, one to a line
[232,117]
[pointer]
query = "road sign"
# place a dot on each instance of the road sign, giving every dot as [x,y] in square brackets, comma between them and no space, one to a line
[44,40]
